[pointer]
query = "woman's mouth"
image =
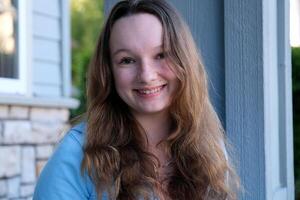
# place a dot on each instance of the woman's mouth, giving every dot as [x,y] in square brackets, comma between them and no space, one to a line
[152,91]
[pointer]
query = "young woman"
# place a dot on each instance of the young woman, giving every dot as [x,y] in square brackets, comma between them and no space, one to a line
[150,131]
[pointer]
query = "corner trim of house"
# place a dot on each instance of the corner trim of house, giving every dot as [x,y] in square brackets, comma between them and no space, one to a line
[69,103]
[66,58]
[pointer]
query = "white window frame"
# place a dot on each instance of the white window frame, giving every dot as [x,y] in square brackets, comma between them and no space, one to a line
[21,85]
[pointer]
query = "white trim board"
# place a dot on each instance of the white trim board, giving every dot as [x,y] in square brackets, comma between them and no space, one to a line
[70,103]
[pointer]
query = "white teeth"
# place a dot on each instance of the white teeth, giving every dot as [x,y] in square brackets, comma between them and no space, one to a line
[150,91]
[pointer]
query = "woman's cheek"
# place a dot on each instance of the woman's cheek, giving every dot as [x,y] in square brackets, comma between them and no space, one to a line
[124,78]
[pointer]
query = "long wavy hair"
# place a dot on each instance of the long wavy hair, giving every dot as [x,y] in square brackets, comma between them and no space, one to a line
[115,151]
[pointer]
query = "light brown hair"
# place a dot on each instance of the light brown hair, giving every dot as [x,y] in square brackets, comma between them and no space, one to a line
[115,152]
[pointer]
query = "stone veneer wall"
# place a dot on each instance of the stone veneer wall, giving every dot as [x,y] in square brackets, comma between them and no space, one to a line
[28,136]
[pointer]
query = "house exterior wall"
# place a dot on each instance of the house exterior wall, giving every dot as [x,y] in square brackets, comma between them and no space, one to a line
[47,48]
[32,124]
[258,96]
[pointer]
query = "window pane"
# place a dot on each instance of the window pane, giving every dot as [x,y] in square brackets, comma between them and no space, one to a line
[8,39]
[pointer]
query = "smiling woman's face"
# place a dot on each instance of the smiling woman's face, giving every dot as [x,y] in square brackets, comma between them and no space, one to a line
[143,78]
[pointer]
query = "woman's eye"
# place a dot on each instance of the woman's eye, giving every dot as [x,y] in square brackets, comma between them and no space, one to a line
[126,61]
[160,56]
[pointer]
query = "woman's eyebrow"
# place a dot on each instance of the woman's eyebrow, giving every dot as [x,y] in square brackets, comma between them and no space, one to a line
[158,47]
[128,50]
[120,50]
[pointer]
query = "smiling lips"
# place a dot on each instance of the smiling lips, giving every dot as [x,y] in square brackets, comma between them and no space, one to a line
[150,91]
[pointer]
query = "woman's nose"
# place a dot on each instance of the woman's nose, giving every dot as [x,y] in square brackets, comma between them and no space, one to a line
[147,72]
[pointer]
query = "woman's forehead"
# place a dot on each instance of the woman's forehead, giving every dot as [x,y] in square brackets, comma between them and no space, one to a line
[136,31]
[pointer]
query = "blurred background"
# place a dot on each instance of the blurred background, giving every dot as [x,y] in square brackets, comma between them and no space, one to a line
[87,18]
[296,116]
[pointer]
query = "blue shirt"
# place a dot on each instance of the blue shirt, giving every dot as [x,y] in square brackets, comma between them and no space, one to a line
[61,177]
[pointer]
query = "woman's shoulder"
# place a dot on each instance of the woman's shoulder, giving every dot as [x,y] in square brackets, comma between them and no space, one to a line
[61,178]
[70,147]
[78,133]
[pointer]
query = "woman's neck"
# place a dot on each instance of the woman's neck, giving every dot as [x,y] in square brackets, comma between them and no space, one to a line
[157,126]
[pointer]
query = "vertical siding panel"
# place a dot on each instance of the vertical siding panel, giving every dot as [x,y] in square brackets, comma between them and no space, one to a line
[244,91]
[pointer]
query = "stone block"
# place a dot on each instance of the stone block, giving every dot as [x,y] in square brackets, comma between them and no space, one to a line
[27,190]
[39,166]
[18,112]
[16,131]
[13,187]
[24,132]
[44,151]
[3,188]
[3,112]
[28,165]
[49,115]
[10,161]
[47,132]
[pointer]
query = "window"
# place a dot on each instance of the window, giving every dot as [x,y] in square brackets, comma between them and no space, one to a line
[14,46]
[8,39]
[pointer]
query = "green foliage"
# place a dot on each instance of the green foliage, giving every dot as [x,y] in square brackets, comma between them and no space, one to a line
[296,115]
[86,19]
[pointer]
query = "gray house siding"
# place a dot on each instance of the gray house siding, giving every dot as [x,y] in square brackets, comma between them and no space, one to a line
[258,95]
[244,92]
[47,48]
[206,23]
